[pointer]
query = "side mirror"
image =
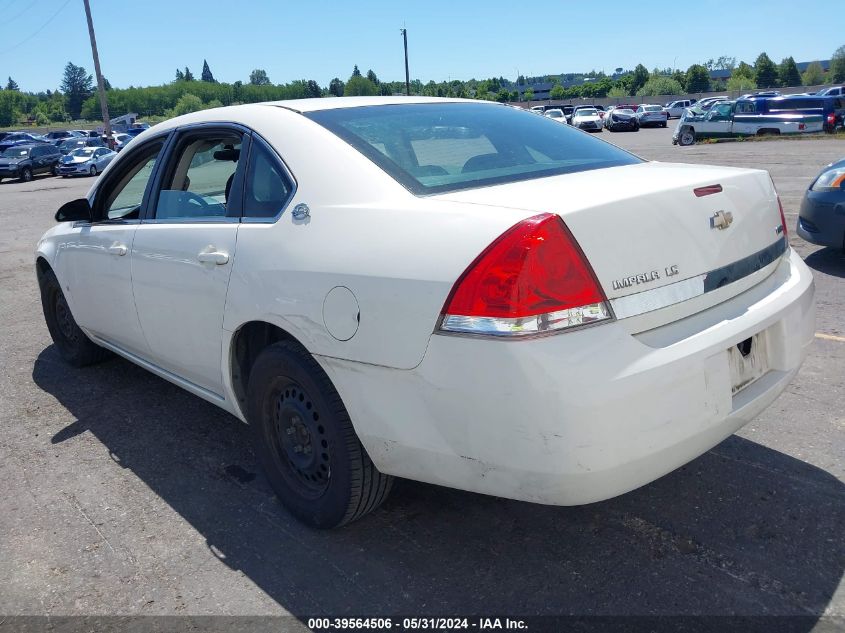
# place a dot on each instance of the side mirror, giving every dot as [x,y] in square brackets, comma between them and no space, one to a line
[75,211]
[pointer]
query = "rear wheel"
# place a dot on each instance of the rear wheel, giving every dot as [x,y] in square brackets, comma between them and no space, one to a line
[305,441]
[76,348]
[663,124]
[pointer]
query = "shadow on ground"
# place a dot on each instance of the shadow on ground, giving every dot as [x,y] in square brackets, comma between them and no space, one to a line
[830,261]
[741,530]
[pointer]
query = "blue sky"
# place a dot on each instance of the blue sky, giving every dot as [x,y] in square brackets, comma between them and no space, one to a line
[142,43]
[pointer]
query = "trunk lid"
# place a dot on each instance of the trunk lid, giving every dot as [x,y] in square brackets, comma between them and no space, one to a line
[643,227]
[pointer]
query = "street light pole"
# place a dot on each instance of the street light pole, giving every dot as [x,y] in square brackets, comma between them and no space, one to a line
[104,104]
[407,75]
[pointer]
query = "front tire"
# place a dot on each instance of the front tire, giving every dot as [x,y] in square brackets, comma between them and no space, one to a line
[93,170]
[686,137]
[26,175]
[55,169]
[73,345]
[305,441]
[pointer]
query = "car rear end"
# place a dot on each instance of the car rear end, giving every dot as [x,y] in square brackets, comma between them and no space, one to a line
[601,338]
[653,115]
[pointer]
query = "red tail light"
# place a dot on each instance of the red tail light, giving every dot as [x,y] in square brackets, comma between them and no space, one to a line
[783,219]
[831,118]
[532,279]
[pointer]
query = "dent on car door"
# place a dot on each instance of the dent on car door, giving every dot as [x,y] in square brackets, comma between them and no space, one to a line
[94,256]
[183,252]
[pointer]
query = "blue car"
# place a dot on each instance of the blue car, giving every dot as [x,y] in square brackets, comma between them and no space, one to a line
[821,219]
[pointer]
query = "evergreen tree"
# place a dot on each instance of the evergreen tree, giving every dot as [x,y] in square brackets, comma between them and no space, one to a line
[189,76]
[77,85]
[837,65]
[356,72]
[372,77]
[765,72]
[788,73]
[180,76]
[206,73]
[12,85]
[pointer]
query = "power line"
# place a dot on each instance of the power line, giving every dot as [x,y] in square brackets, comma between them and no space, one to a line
[40,28]
[17,15]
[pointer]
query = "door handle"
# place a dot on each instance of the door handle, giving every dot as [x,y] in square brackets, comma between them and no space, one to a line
[118,249]
[213,257]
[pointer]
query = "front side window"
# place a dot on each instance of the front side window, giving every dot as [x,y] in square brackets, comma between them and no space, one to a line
[439,147]
[124,196]
[200,179]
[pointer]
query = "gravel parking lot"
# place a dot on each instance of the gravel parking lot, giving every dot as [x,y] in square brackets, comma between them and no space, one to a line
[124,495]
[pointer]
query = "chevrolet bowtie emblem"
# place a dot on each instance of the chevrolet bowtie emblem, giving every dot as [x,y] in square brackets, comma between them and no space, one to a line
[721,220]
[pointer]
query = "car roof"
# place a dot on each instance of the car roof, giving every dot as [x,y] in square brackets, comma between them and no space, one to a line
[333,103]
[30,145]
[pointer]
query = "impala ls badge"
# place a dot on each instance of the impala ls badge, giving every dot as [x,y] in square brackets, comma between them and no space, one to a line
[721,220]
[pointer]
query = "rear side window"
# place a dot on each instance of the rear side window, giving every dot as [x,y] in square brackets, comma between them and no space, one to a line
[794,104]
[267,187]
[440,147]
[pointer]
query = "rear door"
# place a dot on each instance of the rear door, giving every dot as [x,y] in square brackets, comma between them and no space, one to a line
[183,253]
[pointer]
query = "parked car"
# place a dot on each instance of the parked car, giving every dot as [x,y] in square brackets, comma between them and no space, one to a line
[19,138]
[86,161]
[71,144]
[650,114]
[57,136]
[621,120]
[26,161]
[120,140]
[729,119]
[556,114]
[821,219]
[538,109]
[676,108]
[598,108]
[833,91]
[490,316]
[137,129]
[707,103]
[587,119]
[567,112]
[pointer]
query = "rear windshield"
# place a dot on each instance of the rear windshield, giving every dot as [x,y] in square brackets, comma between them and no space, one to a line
[434,148]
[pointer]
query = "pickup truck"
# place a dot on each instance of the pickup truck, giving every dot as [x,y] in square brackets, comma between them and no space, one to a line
[724,120]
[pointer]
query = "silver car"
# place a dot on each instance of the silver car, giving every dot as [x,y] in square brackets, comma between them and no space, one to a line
[85,161]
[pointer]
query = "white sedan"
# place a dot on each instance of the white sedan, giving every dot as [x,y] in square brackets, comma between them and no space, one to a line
[587,119]
[441,290]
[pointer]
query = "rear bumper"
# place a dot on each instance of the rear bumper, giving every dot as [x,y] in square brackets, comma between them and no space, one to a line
[582,416]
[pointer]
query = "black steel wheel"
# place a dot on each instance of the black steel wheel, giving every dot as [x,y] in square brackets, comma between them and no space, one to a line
[305,441]
[73,345]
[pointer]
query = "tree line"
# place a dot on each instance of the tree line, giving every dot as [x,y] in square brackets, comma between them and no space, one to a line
[76,97]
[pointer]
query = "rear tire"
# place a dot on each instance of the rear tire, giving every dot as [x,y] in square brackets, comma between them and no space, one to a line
[73,345]
[305,441]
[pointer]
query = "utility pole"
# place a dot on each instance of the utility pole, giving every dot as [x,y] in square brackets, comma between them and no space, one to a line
[407,76]
[104,104]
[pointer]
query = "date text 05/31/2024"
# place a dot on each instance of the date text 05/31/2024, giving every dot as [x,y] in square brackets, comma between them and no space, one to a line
[412,624]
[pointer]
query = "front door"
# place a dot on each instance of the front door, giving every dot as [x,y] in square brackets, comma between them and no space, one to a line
[718,122]
[183,252]
[99,251]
